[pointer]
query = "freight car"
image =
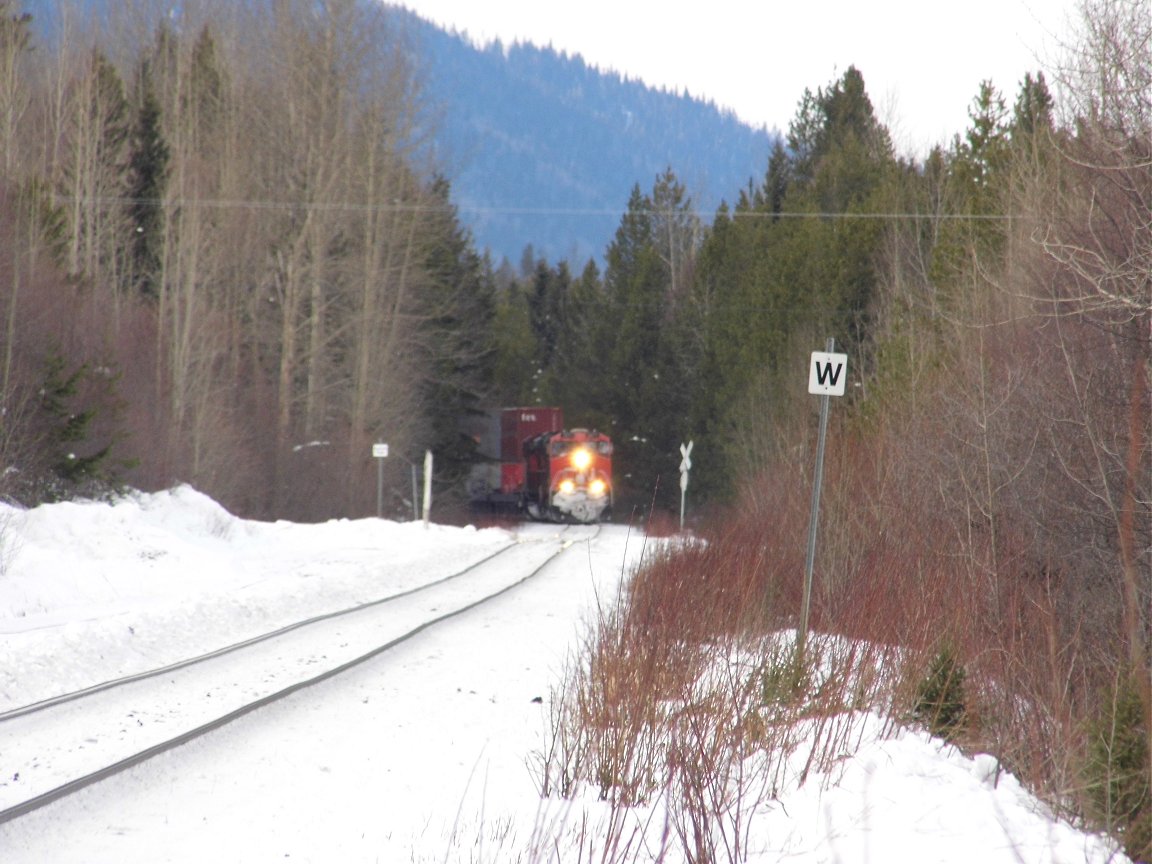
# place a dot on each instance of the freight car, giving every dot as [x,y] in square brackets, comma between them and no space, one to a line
[541,469]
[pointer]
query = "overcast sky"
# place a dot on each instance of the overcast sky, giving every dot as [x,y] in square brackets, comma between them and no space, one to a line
[922,61]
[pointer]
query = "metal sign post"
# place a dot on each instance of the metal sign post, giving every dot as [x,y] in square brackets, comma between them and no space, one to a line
[685,465]
[826,377]
[379,453]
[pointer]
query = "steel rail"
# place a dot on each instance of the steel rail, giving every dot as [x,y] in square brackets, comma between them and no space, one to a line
[104,686]
[80,783]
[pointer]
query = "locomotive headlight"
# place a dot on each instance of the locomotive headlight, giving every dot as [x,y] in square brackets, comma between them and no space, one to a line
[581,459]
[567,487]
[597,488]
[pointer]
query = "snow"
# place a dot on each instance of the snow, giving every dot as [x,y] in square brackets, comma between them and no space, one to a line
[424,753]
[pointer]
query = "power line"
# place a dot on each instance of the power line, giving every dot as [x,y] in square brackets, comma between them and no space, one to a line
[510,210]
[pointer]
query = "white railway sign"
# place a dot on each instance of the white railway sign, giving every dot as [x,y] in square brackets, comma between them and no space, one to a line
[685,466]
[828,374]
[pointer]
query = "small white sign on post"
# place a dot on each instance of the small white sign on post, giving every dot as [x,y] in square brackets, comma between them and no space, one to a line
[828,374]
[826,377]
[379,453]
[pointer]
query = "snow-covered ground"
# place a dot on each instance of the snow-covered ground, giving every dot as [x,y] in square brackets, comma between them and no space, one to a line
[425,753]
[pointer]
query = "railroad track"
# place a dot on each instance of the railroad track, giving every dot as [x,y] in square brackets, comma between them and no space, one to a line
[59,746]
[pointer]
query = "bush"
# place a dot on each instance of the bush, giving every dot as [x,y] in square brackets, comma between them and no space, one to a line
[940,696]
[1119,779]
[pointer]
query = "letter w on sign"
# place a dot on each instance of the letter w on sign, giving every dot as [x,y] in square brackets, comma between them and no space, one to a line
[827,374]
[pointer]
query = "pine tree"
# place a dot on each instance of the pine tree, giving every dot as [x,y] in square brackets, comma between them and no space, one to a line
[578,366]
[647,283]
[1032,129]
[1032,113]
[547,299]
[514,346]
[458,337]
[148,179]
[976,186]
[208,102]
[633,288]
[777,180]
[72,463]
[982,152]
[776,287]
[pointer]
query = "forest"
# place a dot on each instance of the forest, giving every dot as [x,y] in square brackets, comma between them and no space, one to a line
[224,262]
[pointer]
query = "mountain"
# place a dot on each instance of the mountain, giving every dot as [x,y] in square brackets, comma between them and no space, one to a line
[542,149]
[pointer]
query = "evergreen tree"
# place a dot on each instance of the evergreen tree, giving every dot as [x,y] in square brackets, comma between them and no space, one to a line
[148,179]
[70,462]
[647,282]
[50,220]
[1032,113]
[548,352]
[777,181]
[1032,129]
[731,322]
[514,365]
[846,162]
[547,299]
[208,101]
[975,186]
[776,287]
[633,288]
[982,153]
[459,339]
[578,367]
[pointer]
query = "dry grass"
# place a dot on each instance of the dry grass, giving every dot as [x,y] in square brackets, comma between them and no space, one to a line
[689,692]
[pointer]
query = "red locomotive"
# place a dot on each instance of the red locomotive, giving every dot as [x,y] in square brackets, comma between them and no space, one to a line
[545,470]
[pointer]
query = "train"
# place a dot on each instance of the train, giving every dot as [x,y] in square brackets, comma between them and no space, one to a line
[533,466]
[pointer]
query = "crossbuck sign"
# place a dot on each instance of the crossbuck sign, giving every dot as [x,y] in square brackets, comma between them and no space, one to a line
[685,465]
[827,374]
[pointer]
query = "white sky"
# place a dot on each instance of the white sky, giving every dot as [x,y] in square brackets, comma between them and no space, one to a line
[922,61]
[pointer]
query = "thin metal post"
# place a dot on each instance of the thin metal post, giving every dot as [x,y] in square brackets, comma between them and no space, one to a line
[813,520]
[379,488]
